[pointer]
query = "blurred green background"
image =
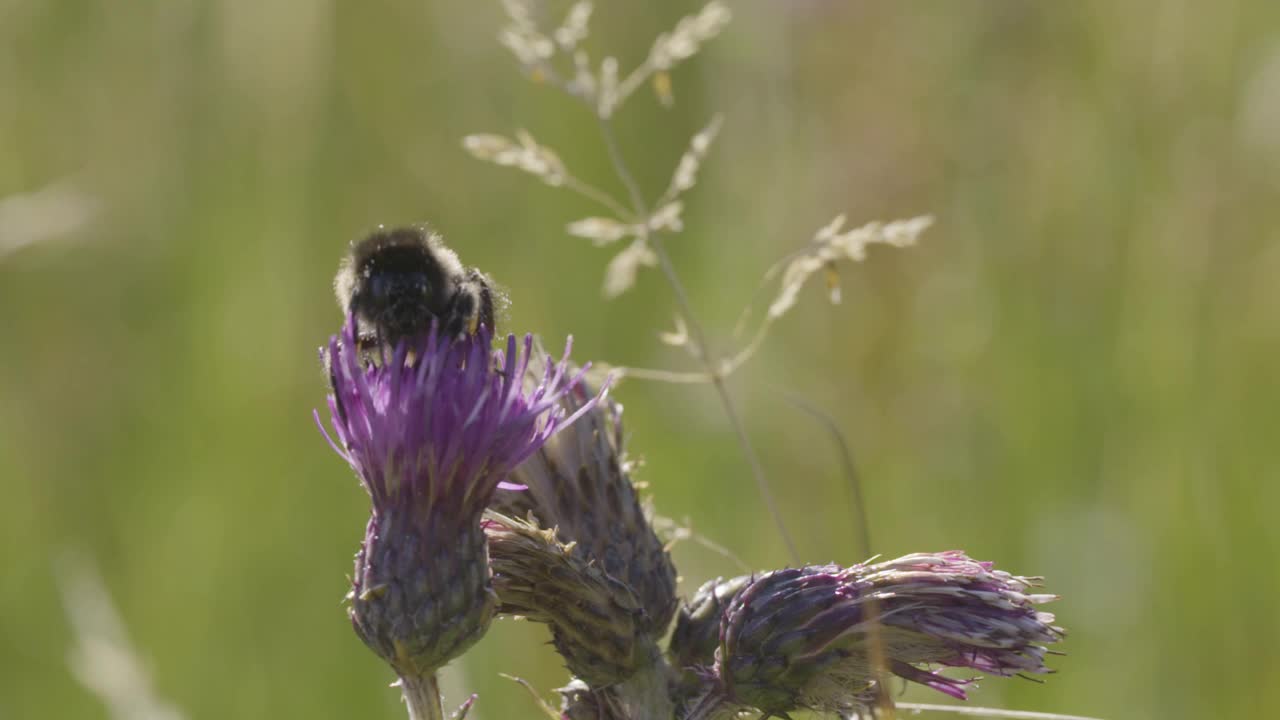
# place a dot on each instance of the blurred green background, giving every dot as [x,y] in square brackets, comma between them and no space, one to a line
[1073,375]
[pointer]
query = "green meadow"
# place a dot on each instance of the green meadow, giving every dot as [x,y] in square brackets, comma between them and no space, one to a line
[1074,372]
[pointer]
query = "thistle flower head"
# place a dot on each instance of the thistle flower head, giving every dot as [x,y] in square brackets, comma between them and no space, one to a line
[432,431]
[799,638]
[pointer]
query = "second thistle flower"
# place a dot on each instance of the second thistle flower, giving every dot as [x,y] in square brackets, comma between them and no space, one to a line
[800,638]
[432,431]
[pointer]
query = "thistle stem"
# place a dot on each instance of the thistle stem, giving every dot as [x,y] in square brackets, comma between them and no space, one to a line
[645,695]
[422,695]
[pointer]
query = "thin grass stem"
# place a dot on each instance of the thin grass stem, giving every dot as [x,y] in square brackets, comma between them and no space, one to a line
[990,712]
[595,194]
[699,337]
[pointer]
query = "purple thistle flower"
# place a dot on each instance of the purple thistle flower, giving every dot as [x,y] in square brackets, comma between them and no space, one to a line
[432,432]
[798,638]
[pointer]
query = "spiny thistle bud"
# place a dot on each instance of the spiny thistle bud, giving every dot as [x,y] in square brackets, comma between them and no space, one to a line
[579,484]
[798,638]
[432,431]
[595,620]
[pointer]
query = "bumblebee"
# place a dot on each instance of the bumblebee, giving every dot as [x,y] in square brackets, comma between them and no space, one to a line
[396,282]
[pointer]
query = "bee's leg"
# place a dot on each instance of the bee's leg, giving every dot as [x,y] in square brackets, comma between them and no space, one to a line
[372,352]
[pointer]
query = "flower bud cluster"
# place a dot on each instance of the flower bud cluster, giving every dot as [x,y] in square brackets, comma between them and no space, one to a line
[499,484]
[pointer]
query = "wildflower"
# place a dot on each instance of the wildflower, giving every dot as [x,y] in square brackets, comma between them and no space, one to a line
[798,638]
[432,432]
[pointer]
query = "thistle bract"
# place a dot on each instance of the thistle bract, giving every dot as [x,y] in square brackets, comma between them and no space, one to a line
[596,620]
[431,431]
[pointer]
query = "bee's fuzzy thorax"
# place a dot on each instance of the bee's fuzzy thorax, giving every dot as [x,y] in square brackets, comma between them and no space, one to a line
[396,282]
